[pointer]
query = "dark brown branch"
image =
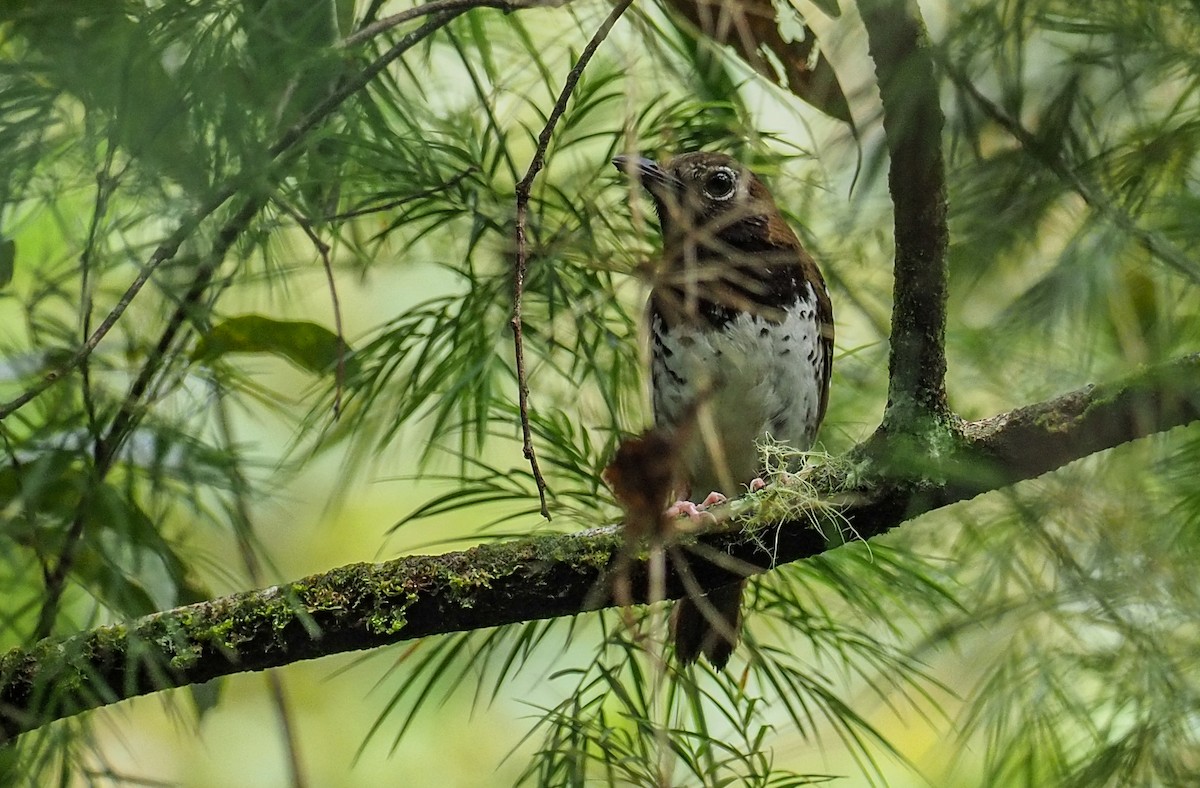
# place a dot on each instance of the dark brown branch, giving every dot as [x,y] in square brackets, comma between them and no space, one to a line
[523,190]
[1030,441]
[912,123]
[370,605]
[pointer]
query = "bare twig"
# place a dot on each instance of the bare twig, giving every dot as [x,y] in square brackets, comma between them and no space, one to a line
[523,190]
[104,187]
[105,183]
[163,253]
[912,123]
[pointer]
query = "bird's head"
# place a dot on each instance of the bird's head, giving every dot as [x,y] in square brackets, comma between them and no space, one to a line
[710,199]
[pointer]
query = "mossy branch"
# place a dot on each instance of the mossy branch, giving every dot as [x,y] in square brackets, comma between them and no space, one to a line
[370,605]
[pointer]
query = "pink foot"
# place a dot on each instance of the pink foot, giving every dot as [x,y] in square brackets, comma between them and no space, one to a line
[687,509]
[757,484]
[696,512]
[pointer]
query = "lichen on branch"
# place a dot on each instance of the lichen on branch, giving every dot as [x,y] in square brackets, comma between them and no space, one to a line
[370,605]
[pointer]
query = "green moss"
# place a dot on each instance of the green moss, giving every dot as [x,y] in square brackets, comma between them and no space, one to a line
[219,634]
[594,553]
[186,658]
[462,586]
[110,639]
[280,613]
[387,622]
[343,591]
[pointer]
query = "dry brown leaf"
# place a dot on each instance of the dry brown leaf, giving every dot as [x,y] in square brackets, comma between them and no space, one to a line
[752,28]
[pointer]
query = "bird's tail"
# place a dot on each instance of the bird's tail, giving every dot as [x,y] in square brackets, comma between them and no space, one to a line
[708,624]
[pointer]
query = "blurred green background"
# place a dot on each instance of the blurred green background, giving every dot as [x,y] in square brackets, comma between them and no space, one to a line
[1041,635]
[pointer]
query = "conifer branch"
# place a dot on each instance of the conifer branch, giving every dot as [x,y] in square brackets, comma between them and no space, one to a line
[370,605]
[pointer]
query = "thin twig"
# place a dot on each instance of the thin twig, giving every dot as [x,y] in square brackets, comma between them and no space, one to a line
[370,15]
[323,250]
[105,183]
[163,253]
[436,7]
[51,573]
[523,190]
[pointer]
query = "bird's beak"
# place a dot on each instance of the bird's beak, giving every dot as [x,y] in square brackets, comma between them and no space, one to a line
[651,175]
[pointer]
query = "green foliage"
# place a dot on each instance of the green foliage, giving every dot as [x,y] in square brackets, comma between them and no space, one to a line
[309,346]
[1043,634]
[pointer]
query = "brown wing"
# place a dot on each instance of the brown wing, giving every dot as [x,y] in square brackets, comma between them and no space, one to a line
[825,321]
[779,233]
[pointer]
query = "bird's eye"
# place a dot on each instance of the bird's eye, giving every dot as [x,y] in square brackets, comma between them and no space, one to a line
[719,184]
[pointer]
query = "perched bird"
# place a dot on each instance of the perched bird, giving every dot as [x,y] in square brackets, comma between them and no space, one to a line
[741,338]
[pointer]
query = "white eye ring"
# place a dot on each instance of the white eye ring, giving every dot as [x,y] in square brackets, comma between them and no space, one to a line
[720,183]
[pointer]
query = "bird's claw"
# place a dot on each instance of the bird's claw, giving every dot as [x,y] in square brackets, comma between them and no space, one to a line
[696,512]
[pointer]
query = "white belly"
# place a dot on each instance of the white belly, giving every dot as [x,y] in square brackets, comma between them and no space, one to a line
[761,379]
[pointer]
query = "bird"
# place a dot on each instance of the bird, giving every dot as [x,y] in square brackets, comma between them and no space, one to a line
[741,341]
